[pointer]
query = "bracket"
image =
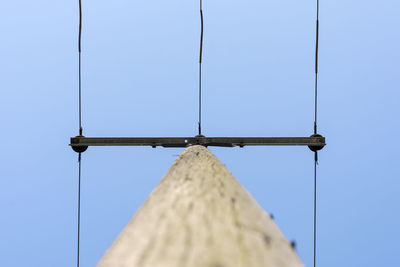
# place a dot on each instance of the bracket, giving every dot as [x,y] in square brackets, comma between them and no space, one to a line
[81,143]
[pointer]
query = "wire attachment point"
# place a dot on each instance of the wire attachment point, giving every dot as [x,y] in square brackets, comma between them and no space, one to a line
[76,147]
[316,147]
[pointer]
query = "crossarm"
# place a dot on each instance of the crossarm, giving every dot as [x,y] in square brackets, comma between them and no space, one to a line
[81,141]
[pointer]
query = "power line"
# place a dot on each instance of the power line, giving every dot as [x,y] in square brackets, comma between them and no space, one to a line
[315,206]
[79,67]
[80,133]
[200,63]
[315,131]
[79,210]
[316,71]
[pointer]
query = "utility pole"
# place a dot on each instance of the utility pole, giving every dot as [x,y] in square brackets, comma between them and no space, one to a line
[199,215]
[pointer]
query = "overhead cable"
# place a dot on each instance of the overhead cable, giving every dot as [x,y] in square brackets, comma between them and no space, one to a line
[200,64]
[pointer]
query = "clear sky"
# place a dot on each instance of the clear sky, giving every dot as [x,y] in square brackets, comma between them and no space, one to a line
[140,79]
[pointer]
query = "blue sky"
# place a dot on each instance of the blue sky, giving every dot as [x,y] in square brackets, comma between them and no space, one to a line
[140,79]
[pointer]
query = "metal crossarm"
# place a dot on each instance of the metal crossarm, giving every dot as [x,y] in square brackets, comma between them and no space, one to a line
[315,141]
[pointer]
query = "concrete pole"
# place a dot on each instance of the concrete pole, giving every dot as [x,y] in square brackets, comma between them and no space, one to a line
[200,216]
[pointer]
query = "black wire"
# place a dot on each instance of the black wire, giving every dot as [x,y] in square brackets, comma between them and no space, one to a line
[315,132]
[79,210]
[315,205]
[80,72]
[200,62]
[316,71]
[316,103]
[80,133]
